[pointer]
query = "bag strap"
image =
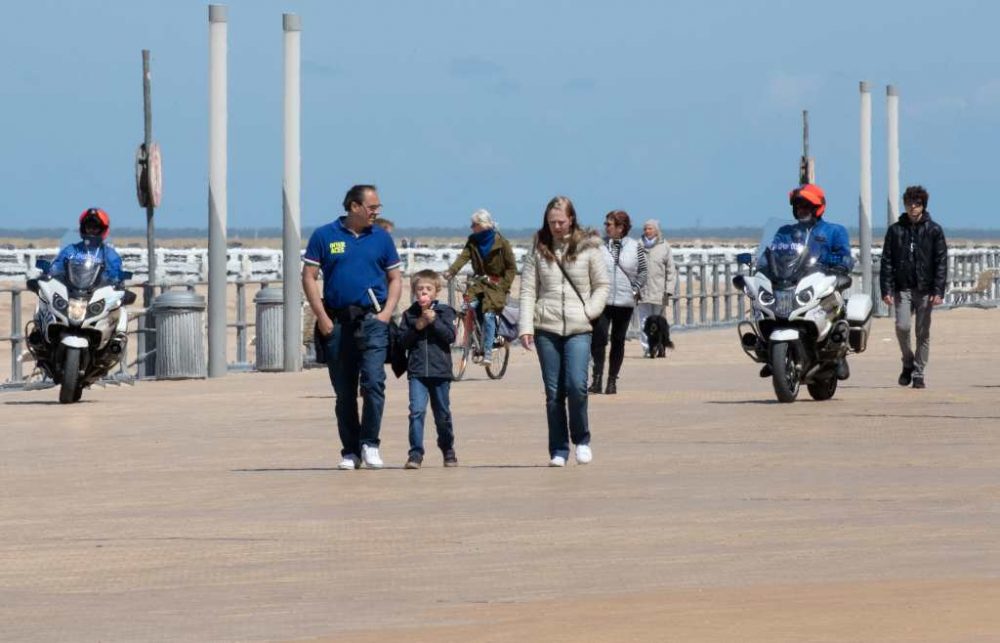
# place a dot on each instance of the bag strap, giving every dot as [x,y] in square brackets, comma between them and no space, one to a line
[575,289]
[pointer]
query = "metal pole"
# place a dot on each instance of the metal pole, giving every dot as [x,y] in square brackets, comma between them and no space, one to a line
[865,200]
[149,322]
[291,232]
[16,338]
[807,167]
[892,144]
[217,206]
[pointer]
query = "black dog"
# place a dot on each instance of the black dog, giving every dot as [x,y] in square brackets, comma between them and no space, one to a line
[658,332]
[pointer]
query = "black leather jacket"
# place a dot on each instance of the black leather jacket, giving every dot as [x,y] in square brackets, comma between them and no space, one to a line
[914,256]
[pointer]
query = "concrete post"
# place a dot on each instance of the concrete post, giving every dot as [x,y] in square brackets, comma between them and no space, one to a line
[892,146]
[290,190]
[217,206]
[865,200]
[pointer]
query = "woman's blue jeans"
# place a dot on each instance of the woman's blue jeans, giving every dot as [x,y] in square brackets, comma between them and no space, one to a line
[564,374]
[489,328]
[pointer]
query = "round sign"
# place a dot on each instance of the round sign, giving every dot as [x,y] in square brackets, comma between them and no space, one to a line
[148,176]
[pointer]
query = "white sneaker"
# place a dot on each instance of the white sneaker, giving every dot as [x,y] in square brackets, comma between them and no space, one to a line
[557,461]
[371,457]
[349,463]
[583,454]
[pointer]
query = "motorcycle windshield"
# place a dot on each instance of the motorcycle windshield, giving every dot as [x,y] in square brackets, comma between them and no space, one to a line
[83,271]
[784,255]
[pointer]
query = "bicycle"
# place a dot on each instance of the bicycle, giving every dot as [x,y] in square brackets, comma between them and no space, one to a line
[468,345]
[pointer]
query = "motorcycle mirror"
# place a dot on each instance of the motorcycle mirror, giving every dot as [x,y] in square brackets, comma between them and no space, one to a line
[43,264]
[744,258]
[129,298]
[126,275]
[739,281]
[32,285]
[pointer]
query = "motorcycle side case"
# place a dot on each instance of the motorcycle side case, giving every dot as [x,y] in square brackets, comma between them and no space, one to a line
[859,318]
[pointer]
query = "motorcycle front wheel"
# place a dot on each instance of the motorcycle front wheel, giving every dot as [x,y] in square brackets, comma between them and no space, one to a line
[784,372]
[70,389]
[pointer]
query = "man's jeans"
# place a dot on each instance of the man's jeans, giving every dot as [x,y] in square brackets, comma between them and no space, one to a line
[436,390]
[489,328]
[910,304]
[351,365]
[564,374]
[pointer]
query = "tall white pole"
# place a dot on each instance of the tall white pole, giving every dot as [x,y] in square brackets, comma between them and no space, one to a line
[892,143]
[865,201]
[290,190]
[217,206]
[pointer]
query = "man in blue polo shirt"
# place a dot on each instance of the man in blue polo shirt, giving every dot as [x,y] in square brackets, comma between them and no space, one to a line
[361,285]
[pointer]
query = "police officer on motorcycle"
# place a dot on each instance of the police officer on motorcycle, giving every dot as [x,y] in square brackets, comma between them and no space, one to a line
[94,227]
[828,242]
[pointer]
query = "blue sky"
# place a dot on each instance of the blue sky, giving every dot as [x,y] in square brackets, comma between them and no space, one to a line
[689,112]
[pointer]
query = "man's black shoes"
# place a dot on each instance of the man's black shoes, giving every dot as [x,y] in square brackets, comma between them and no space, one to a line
[906,377]
[918,382]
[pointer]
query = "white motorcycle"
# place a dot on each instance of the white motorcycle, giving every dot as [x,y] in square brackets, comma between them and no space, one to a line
[78,333]
[801,327]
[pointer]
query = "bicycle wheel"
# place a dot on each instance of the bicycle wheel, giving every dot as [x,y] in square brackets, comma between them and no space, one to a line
[501,355]
[461,350]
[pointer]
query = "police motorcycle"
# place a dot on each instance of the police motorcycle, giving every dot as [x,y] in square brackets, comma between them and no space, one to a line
[78,333]
[801,326]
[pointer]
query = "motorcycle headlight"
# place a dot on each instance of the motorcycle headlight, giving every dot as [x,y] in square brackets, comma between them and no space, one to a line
[59,303]
[77,310]
[765,297]
[95,308]
[803,297]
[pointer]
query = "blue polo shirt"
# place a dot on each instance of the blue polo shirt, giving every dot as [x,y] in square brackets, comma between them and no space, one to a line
[352,263]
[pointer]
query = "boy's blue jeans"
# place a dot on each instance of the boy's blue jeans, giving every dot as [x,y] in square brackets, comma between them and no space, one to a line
[435,389]
[564,374]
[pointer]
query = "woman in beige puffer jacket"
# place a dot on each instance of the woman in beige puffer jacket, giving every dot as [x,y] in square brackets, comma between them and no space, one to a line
[564,285]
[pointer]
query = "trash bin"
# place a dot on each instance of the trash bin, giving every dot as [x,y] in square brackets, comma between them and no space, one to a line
[180,335]
[270,322]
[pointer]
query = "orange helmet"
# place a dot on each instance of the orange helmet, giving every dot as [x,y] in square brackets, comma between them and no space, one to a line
[98,216]
[810,193]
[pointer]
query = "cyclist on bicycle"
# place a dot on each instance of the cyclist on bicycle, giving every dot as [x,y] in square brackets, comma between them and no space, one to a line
[494,267]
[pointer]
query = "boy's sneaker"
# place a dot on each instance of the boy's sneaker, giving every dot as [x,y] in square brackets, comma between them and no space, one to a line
[557,461]
[414,461]
[349,463]
[487,360]
[918,382]
[371,457]
[450,459]
[583,454]
[905,377]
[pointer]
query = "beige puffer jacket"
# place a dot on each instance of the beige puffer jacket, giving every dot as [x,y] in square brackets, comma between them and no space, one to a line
[548,302]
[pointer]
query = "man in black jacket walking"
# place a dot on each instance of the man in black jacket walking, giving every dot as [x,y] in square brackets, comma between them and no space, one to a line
[913,278]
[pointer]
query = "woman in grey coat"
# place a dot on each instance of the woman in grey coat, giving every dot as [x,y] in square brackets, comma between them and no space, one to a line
[661,283]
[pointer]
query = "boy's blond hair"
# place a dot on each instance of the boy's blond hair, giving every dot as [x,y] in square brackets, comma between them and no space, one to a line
[426,275]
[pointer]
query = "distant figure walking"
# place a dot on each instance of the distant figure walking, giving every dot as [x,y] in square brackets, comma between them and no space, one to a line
[913,277]
[661,282]
[626,262]
[494,269]
[564,285]
[361,285]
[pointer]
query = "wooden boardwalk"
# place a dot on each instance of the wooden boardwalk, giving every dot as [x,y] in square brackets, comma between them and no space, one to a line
[211,510]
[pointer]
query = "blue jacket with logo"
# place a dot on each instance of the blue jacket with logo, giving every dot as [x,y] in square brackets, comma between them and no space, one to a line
[112,260]
[828,242]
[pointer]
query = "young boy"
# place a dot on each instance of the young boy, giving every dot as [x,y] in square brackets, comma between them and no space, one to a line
[428,330]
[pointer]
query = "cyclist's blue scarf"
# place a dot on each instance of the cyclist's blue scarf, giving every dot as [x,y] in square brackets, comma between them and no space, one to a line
[484,241]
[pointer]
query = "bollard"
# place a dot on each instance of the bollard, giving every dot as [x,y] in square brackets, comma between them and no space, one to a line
[270,355]
[180,335]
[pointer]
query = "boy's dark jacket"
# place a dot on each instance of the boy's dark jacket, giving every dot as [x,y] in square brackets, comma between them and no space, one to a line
[927,262]
[429,350]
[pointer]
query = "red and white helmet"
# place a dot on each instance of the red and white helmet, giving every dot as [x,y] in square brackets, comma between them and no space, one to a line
[97,216]
[812,194]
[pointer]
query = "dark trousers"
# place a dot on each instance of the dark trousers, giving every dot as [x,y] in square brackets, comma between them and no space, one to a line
[353,359]
[436,390]
[616,319]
